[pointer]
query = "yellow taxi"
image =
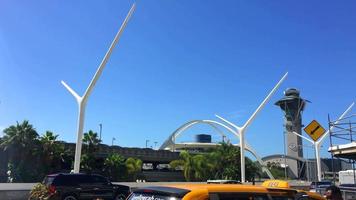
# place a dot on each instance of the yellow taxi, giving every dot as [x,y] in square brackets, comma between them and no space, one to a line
[269,190]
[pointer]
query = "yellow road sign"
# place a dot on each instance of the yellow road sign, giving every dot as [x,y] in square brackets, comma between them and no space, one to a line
[314,130]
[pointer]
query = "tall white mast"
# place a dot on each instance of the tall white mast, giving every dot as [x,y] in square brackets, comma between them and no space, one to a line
[82,100]
[241,130]
[317,144]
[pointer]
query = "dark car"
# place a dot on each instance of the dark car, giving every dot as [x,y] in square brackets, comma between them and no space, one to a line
[83,186]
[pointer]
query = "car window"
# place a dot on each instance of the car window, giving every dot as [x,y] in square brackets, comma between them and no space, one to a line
[99,180]
[48,180]
[237,196]
[84,179]
[282,196]
[65,180]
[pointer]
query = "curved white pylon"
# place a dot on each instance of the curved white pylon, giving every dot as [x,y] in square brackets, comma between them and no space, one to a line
[82,100]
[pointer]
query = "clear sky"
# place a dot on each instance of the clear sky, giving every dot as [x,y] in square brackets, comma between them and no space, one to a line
[177,61]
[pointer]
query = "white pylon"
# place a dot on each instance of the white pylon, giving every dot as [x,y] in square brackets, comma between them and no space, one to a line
[317,144]
[241,130]
[82,100]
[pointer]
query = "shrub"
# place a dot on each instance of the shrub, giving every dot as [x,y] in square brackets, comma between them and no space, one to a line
[39,192]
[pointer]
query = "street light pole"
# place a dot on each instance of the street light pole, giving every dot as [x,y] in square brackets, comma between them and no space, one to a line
[112,141]
[147,143]
[285,159]
[101,127]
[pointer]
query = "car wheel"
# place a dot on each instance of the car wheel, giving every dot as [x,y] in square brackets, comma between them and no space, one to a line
[70,197]
[120,197]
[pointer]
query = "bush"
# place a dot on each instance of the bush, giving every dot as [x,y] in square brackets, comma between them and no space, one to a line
[39,192]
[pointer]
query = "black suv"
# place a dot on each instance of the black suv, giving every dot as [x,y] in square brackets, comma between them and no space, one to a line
[83,186]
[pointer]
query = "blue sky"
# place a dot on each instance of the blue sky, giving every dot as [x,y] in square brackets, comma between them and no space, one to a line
[176,61]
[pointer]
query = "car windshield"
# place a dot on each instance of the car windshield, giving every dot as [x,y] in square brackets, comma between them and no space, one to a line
[321,183]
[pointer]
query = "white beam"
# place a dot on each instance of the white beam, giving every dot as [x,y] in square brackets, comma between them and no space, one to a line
[259,108]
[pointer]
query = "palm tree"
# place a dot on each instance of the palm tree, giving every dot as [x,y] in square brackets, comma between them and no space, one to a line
[174,164]
[200,167]
[21,136]
[92,141]
[133,167]
[21,143]
[115,167]
[51,152]
[229,162]
[188,165]
[91,145]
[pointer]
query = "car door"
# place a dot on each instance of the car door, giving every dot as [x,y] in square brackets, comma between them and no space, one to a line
[86,187]
[102,187]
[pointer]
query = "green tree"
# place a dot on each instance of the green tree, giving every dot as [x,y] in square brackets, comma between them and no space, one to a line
[91,146]
[91,142]
[223,162]
[188,165]
[276,170]
[176,164]
[115,167]
[52,151]
[200,167]
[21,143]
[133,167]
[229,162]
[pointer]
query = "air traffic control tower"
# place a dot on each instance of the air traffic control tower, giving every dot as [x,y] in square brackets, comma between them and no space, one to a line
[292,105]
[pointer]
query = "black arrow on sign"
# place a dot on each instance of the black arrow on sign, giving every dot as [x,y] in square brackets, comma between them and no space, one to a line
[313,131]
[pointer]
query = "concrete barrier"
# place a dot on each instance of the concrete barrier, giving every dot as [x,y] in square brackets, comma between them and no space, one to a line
[15,191]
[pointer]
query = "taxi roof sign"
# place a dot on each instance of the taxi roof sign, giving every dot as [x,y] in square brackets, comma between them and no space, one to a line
[314,130]
[277,184]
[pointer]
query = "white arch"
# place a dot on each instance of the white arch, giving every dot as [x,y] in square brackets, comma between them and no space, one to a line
[171,139]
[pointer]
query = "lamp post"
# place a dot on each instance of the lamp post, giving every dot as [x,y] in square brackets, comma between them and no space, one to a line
[112,141]
[100,129]
[285,159]
[82,100]
[147,143]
